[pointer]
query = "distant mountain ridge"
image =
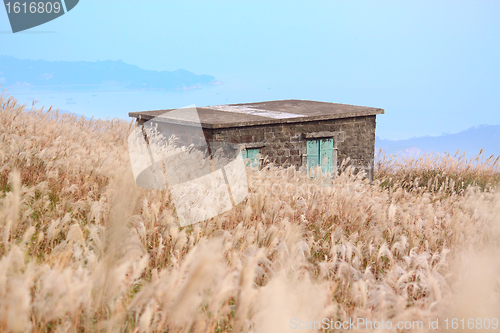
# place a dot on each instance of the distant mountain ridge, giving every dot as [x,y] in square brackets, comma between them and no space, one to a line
[41,73]
[470,141]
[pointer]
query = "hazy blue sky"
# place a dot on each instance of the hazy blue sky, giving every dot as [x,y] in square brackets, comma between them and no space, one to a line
[434,66]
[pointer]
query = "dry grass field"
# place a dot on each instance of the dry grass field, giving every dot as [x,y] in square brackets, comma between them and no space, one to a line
[83,249]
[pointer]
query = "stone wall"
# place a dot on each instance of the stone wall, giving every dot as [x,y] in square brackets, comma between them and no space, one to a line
[285,144]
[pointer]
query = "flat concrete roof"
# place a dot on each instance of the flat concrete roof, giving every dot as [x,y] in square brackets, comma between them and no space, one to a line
[272,112]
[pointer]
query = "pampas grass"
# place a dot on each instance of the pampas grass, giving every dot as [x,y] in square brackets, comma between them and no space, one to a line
[84,249]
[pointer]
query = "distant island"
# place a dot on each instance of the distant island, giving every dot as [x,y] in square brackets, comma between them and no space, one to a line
[470,141]
[54,74]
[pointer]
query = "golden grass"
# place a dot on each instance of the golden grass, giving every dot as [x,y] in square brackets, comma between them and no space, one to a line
[439,172]
[84,249]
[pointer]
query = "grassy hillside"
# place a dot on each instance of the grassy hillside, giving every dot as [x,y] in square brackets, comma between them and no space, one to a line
[84,249]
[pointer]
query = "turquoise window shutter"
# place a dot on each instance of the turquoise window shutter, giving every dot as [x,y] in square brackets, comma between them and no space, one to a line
[252,157]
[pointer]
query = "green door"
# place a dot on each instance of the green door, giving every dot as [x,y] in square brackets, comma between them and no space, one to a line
[312,154]
[321,153]
[252,157]
[326,155]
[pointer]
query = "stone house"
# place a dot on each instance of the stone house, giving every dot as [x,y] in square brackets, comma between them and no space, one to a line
[291,132]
